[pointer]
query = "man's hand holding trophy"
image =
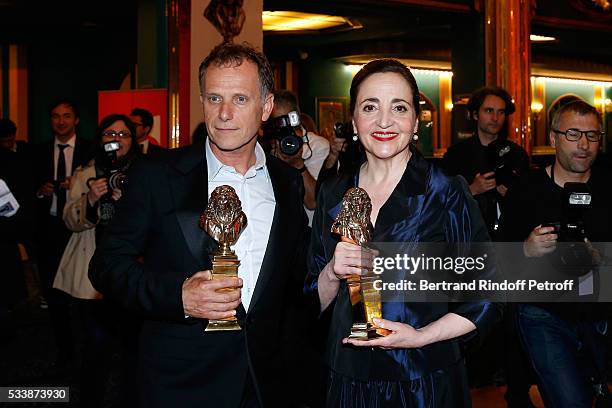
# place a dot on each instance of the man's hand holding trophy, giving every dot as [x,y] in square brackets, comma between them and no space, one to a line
[215,295]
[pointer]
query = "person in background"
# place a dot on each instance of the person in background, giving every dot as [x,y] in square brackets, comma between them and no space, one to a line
[54,163]
[308,122]
[89,209]
[475,159]
[310,158]
[565,342]
[199,133]
[489,109]
[345,153]
[8,138]
[18,228]
[143,121]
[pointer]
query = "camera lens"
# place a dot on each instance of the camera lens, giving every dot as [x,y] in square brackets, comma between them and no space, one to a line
[117,180]
[290,145]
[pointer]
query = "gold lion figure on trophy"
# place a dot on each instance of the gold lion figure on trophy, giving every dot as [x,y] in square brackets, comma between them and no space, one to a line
[353,222]
[223,218]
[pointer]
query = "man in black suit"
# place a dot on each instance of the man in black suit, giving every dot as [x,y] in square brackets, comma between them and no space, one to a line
[15,171]
[143,121]
[8,138]
[15,228]
[55,161]
[157,219]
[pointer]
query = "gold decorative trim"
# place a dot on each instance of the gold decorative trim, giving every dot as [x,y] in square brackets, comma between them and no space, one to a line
[542,151]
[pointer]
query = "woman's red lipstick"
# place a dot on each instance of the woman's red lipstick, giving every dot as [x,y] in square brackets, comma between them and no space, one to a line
[384,136]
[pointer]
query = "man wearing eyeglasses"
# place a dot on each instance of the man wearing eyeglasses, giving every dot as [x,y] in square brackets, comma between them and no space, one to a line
[143,121]
[561,339]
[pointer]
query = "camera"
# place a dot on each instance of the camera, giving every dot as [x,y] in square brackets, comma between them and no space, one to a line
[282,129]
[576,200]
[573,254]
[504,162]
[57,186]
[110,166]
[345,131]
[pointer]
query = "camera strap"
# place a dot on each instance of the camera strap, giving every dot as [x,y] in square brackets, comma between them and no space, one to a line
[552,172]
[306,140]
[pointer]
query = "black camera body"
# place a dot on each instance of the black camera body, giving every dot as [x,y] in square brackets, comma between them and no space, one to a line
[345,131]
[110,168]
[576,201]
[504,162]
[282,128]
[572,254]
[57,186]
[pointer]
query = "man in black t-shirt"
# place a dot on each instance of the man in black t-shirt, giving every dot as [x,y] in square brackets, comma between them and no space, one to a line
[488,161]
[476,159]
[561,337]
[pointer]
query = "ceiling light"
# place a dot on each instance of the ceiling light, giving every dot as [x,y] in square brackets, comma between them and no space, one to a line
[438,72]
[354,68]
[296,21]
[537,107]
[541,38]
[574,81]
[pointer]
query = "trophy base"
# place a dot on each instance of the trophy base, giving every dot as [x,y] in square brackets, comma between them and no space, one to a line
[225,265]
[367,331]
[222,325]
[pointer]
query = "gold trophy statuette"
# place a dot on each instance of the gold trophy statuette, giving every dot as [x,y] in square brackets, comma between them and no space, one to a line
[224,220]
[353,225]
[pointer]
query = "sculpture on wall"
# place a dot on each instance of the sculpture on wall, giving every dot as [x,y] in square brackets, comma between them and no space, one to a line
[604,4]
[227,16]
[595,10]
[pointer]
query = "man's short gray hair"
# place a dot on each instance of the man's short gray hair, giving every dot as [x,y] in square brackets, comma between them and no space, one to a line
[579,107]
[233,55]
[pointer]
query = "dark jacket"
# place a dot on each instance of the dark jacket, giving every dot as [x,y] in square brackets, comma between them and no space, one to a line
[426,206]
[44,167]
[181,365]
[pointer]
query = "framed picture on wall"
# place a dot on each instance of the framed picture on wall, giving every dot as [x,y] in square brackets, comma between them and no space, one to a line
[330,110]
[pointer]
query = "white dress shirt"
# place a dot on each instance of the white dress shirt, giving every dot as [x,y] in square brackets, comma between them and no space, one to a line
[68,155]
[314,153]
[254,189]
[145,146]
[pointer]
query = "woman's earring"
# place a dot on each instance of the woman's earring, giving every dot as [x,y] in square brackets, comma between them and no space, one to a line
[415,137]
[355,137]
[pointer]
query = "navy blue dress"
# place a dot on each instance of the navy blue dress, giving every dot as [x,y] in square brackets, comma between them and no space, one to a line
[425,206]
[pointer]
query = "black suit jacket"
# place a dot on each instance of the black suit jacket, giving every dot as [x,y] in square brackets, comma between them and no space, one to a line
[155,149]
[181,365]
[44,166]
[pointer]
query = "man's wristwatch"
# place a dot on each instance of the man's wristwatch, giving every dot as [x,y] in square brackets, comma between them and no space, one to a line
[302,169]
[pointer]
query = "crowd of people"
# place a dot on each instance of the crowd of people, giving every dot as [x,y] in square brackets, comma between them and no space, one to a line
[113,225]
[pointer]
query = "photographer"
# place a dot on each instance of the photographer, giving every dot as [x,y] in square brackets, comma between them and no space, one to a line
[310,156]
[492,166]
[91,200]
[488,161]
[564,341]
[94,192]
[345,153]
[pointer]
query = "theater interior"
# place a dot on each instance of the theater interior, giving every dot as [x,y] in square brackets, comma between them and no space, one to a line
[544,52]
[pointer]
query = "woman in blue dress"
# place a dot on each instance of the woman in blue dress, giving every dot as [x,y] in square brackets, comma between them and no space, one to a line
[420,364]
